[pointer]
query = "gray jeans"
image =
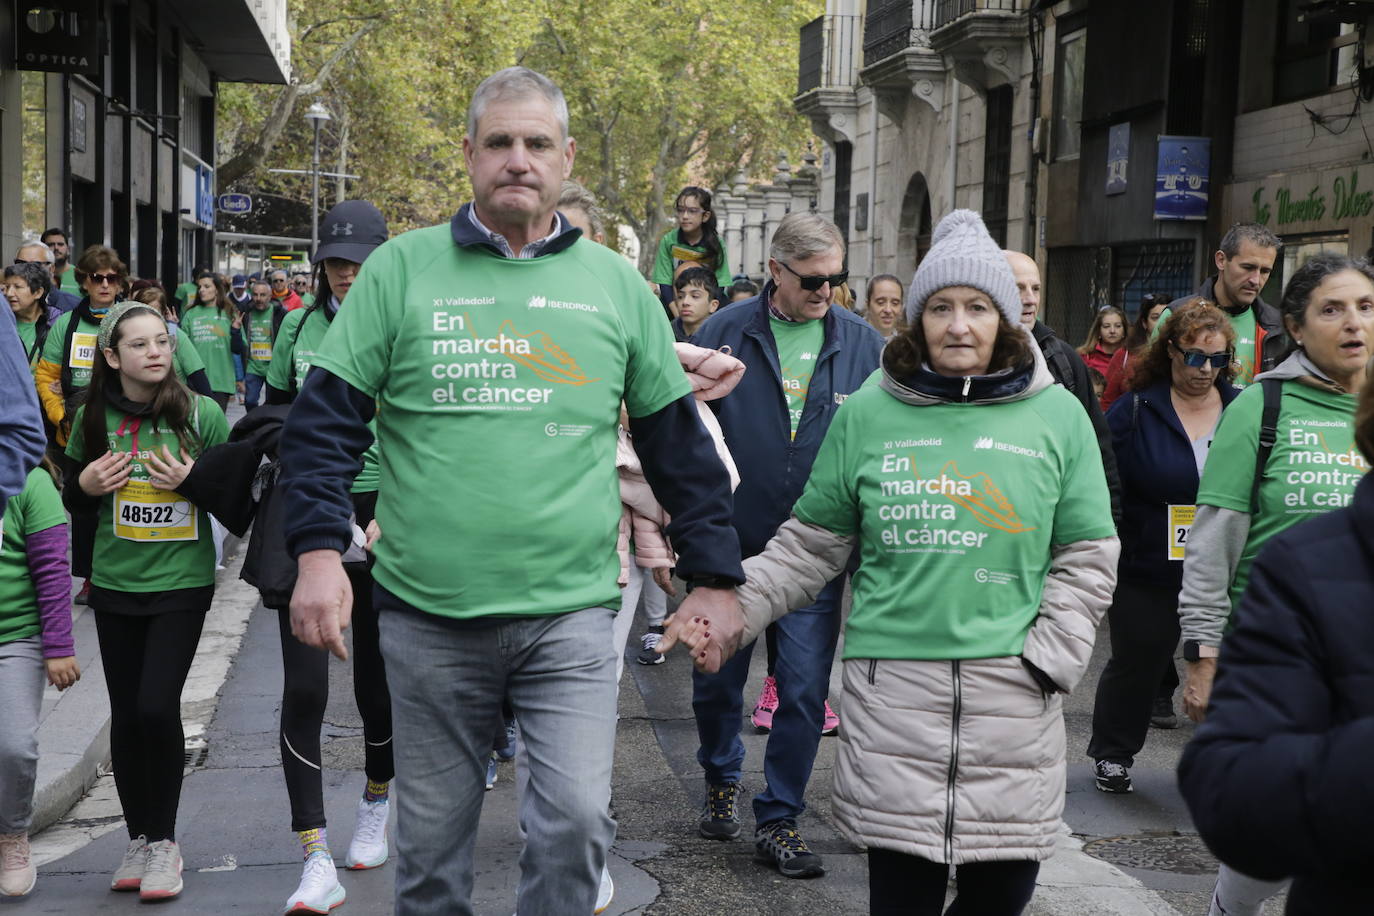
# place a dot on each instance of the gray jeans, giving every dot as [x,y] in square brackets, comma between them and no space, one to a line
[21,697]
[446,685]
[1240,895]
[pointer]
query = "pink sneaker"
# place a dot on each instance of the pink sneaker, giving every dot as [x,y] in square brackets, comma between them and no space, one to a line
[766,706]
[831,725]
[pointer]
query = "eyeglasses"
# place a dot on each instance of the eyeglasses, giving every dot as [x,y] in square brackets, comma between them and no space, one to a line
[1196,359]
[813,283]
[165,342]
[278,279]
[690,211]
[22,261]
[102,279]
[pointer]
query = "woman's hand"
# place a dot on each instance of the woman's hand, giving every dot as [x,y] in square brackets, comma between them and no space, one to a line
[1197,688]
[171,473]
[237,321]
[105,474]
[62,672]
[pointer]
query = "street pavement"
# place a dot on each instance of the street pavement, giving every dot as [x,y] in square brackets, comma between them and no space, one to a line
[1126,855]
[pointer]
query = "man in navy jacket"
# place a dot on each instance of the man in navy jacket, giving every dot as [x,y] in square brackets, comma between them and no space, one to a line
[804,357]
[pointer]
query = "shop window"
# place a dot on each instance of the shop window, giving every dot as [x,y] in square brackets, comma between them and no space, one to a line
[1296,250]
[1068,93]
[1314,55]
[997,163]
[33,90]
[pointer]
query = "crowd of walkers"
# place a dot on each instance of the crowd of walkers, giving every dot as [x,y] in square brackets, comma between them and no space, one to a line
[985,492]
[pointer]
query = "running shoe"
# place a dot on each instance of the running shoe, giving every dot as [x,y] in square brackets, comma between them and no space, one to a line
[368,848]
[720,813]
[162,877]
[512,734]
[779,844]
[17,871]
[649,655]
[84,594]
[1112,777]
[129,874]
[319,890]
[606,892]
[1163,715]
[491,772]
[766,706]
[831,724]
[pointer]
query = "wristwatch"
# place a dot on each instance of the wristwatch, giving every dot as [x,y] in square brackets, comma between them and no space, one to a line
[711,582]
[1193,651]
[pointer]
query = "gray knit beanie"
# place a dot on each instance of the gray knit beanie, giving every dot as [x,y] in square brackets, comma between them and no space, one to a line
[963,254]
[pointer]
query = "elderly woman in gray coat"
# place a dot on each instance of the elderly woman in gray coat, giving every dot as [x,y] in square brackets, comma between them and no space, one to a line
[974,491]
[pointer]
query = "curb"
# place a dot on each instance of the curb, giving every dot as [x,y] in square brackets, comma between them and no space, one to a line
[74,725]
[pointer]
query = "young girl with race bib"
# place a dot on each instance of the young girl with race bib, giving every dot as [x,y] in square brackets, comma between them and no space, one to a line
[35,639]
[133,445]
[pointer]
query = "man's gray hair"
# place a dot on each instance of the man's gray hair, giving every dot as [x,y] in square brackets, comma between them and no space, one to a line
[516,82]
[1254,233]
[577,197]
[802,235]
[41,246]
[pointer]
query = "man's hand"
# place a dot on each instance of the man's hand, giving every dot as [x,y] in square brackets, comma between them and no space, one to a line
[1197,687]
[709,623]
[322,604]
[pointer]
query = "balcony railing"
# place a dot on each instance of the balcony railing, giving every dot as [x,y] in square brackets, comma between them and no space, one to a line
[890,25]
[826,54]
[949,10]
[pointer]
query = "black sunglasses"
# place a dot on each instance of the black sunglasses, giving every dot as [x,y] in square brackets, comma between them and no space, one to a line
[1196,359]
[813,283]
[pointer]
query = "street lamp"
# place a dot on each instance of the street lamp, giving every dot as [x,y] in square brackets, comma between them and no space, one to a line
[316,115]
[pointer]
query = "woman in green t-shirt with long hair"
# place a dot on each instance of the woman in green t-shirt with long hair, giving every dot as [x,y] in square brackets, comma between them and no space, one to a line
[208,324]
[1313,467]
[133,446]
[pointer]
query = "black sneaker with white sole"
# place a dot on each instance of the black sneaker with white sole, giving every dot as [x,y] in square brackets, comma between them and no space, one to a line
[1112,777]
[779,844]
[1162,713]
[720,814]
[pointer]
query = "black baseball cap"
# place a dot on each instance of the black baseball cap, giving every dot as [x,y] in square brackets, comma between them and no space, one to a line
[351,230]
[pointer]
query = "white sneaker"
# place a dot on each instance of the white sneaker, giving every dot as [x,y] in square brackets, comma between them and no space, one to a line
[319,890]
[606,892]
[17,872]
[129,875]
[162,876]
[368,848]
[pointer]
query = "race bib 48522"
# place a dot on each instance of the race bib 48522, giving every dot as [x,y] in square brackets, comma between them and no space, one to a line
[144,513]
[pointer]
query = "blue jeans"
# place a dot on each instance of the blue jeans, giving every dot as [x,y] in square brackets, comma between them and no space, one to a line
[252,389]
[806,648]
[447,683]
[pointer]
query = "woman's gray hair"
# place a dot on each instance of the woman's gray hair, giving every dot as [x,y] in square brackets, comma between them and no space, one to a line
[37,276]
[577,197]
[803,235]
[516,82]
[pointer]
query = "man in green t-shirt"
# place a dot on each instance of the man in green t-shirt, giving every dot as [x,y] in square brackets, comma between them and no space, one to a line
[64,275]
[496,352]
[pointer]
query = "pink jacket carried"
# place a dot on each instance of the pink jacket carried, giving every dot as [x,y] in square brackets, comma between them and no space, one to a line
[713,374]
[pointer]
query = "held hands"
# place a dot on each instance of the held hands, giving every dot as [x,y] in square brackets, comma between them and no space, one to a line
[1197,688]
[710,624]
[105,474]
[322,604]
[62,672]
[663,578]
[170,473]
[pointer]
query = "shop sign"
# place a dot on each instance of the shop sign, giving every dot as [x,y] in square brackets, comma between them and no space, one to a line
[1181,177]
[1325,199]
[57,36]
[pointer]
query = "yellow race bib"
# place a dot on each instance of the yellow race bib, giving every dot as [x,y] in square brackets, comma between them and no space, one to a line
[1180,526]
[144,513]
[83,351]
[261,350]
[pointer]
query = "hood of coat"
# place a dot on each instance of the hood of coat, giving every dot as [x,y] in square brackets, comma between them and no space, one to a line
[1298,366]
[713,373]
[926,387]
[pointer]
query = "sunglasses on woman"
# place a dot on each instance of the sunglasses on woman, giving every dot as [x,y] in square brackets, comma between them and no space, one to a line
[1196,359]
[812,283]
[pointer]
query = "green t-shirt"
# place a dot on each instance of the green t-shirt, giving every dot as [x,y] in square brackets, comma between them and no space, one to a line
[799,343]
[502,378]
[186,358]
[185,296]
[307,299]
[296,346]
[36,508]
[67,281]
[1247,349]
[1313,468]
[149,540]
[672,252]
[82,354]
[956,508]
[28,335]
[257,334]
[208,329]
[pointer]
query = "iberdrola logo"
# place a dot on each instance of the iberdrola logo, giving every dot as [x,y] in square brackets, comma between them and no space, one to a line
[537,302]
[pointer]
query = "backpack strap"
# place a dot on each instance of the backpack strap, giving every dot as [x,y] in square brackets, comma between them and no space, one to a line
[293,390]
[1061,362]
[1268,435]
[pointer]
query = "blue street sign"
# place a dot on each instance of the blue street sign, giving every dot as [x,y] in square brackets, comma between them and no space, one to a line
[235,203]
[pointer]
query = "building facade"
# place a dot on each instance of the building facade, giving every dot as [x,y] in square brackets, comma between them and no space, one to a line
[107,119]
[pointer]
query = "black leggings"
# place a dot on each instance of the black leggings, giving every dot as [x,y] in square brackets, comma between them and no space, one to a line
[305,691]
[146,659]
[906,885]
